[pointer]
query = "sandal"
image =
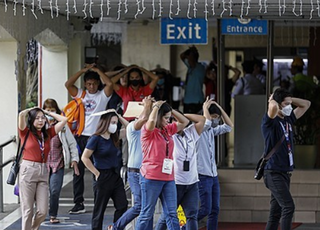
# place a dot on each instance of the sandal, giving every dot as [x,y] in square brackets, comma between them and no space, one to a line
[54,220]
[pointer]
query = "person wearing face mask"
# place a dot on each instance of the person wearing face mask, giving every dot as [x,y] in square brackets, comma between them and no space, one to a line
[164,88]
[63,152]
[103,147]
[135,90]
[277,125]
[209,188]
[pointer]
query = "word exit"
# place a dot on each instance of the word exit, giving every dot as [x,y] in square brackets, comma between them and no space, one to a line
[184,31]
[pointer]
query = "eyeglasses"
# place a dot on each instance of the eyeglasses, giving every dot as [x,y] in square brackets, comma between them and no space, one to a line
[41,118]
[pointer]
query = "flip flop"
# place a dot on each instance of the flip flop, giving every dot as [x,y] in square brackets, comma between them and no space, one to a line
[54,220]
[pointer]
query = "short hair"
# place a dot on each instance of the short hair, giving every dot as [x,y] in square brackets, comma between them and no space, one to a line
[258,63]
[280,94]
[51,103]
[91,75]
[214,109]
[247,66]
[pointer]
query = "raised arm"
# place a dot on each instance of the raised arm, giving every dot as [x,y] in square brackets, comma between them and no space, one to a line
[181,120]
[154,77]
[120,74]
[198,121]
[108,89]
[70,83]
[236,73]
[302,106]
[143,118]
[152,120]
[22,118]
[62,120]
[226,119]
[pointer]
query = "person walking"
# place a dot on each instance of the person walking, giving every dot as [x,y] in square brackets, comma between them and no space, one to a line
[33,173]
[278,122]
[63,152]
[103,147]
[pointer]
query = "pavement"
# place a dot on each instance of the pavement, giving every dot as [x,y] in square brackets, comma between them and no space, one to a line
[10,219]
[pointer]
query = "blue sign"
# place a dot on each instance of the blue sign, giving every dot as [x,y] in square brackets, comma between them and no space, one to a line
[184,31]
[244,26]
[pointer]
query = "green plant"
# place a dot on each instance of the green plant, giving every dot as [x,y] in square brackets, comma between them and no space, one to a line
[307,128]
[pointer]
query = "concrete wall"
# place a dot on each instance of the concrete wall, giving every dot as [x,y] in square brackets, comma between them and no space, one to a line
[9,109]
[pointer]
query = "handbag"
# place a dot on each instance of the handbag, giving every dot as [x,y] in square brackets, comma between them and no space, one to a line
[14,170]
[264,159]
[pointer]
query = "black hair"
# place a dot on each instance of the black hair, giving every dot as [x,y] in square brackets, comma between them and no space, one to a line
[51,103]
[214,109]
[137,70]
[258,63]
[280,94]
[32,114]
[247,66]
[164,109]
[91,75]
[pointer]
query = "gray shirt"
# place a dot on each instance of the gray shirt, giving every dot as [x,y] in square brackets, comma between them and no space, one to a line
[248,85]
[205,148]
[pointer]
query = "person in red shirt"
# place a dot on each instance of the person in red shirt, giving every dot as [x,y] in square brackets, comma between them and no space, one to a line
[157,180]
[136,90]
[33,173]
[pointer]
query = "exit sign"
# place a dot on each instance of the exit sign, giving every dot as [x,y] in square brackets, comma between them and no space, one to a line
[184,31]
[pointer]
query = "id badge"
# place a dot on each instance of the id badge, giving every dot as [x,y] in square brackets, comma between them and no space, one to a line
[167,166]
[186,165]
[290,158]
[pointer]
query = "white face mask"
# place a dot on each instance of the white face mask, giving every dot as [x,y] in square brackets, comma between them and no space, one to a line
[215,122]
[112,128]
[286,111]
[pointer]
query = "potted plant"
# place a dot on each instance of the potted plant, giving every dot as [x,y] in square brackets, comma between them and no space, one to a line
[307,128]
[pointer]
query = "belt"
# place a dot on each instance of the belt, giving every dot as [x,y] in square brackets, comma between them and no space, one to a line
[283,172]
[134,170]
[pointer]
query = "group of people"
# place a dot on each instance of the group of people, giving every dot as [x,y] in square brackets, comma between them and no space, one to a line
[171,155]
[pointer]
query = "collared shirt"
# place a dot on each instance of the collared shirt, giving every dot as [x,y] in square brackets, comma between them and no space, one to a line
[154,147]
[205,148]
[134,146]
[184,150]
[55,158]
[248,85]
[194,84]
[93,103]
[129,94]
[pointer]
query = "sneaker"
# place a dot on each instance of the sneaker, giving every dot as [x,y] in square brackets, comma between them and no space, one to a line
[77,209]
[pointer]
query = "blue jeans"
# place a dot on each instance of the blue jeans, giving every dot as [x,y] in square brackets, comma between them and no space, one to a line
[55,185]
[151,190]
[282,205]
[134,211]
[209,190]
[188,198]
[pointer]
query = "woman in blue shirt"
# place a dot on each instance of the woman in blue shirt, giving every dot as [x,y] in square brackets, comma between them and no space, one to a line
[103,146]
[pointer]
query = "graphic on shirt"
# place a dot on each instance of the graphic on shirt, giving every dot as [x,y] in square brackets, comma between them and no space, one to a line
[90,106]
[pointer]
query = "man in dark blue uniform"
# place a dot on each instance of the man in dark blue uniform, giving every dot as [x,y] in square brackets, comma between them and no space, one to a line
[276,123]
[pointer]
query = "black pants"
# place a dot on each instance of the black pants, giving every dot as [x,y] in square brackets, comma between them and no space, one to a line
[281,204]
[109,185]
[78,181]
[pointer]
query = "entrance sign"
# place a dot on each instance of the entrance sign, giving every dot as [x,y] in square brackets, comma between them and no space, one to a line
[184,31]
[244,26]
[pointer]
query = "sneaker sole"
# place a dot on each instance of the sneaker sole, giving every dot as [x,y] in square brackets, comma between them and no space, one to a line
[77,212]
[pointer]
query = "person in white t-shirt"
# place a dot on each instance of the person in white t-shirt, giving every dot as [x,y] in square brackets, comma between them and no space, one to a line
[95,100]
[186,172]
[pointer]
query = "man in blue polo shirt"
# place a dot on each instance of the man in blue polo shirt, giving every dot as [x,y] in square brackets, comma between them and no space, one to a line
[276,123]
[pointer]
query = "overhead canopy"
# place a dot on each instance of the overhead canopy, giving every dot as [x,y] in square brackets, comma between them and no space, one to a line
[153,9]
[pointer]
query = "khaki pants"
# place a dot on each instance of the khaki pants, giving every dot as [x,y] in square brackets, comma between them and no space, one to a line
[33,187]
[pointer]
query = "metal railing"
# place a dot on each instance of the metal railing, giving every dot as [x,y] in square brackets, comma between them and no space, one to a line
[3,164]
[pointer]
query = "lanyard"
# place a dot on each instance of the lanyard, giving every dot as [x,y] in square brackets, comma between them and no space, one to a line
[186,142]
[286,134]
[41,145]
[167,143]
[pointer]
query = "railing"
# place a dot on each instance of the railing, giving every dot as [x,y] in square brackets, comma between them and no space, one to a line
[3,164]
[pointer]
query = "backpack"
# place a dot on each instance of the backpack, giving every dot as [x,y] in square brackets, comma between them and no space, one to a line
[75,113]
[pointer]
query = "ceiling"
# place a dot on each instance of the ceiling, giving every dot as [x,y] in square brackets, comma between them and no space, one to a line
[150,9]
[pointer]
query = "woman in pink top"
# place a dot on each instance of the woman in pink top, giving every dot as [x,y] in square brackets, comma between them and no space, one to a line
[157,179]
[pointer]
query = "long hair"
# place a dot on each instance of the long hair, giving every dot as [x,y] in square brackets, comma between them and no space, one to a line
[51,103]
[137,70]
[103,126]
[164,109]
[32,114]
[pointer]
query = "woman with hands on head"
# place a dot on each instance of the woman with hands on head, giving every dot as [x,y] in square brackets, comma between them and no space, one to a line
[103,146]
[33,174]
[63,152]
[157,169]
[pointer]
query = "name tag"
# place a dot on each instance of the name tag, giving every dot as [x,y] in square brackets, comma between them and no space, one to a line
[290,158]
[167,166]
